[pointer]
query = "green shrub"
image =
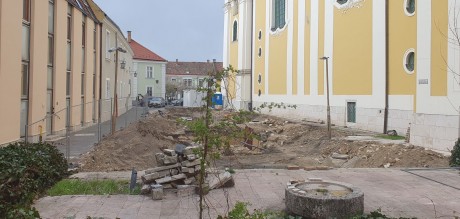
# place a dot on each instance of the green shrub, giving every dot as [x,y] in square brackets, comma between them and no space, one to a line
[26,171]
[455,157]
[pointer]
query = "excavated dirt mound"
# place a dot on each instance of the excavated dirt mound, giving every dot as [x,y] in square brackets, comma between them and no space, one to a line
[280,143]
[134,146]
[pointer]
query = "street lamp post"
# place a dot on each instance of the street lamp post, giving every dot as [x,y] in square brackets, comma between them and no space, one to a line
[329,134]
[115,95]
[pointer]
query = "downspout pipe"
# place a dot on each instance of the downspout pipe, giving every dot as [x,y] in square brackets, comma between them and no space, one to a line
[252,58]
[387,65]
[100,72]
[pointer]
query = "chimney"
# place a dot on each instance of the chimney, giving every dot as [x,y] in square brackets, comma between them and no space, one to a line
[129,36]
[213,60]
[177,60]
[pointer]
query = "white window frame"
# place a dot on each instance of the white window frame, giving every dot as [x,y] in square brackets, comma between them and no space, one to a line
[405,9]
[107,88]
[349,4]
[186,82]
[235,37]
[406,54]
[147,73]
[272,17]
[107,44]
[147,90]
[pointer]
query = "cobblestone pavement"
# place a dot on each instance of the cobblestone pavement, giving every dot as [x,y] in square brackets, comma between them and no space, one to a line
[398,193]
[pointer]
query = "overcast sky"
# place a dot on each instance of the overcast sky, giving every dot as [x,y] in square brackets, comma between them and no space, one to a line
[174,29]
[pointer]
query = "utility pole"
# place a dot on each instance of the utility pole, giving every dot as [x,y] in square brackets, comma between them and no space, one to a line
[329,131]
[115,95]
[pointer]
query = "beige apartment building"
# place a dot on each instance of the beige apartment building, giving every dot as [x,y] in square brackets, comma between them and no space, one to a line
[111,38]
[51,59]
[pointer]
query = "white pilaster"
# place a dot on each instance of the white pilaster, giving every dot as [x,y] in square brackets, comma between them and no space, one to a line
[314,48]
[301,49]
[290,22]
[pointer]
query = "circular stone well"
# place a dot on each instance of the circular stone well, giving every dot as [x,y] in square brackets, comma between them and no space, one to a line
[315,198]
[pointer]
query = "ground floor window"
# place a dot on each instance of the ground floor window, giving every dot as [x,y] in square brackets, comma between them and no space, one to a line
[149,91]
[351,112]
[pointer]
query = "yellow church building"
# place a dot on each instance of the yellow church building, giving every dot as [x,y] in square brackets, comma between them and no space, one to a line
[388,65]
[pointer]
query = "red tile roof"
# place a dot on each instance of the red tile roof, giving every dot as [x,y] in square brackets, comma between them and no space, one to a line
[192,68]
[140,52]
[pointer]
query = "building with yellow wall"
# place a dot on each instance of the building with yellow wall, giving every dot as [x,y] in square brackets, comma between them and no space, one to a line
[50,67]
[390,63]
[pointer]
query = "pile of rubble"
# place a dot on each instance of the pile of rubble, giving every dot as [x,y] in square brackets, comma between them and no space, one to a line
[179,170]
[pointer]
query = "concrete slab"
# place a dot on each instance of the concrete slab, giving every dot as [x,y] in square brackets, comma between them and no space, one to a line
[397,193]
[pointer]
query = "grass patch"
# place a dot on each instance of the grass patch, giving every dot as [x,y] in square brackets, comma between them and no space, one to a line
[391,137]
[92,187]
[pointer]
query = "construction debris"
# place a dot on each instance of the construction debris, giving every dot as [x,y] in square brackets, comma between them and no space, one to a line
[179,169]
[221,180]
[275,143]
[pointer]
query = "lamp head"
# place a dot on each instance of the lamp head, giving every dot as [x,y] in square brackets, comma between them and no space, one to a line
[324,58]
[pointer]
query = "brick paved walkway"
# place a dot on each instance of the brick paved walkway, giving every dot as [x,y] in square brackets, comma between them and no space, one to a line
[396,192]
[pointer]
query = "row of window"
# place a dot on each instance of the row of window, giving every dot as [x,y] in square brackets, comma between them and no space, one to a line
[188,82]
[26,26]
[279,14]
[278,19]
[409,5]
[408,64]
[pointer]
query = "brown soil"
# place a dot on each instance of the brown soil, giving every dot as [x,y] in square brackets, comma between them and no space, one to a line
[282,143]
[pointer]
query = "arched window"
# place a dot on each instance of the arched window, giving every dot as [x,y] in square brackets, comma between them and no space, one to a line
[279,14]
[409,61]
[235,31]
[410,7]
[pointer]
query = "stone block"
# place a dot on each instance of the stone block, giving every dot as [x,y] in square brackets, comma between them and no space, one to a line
[174,171]
[216,182]
[191,163]
[149,178]
[188,169]
[157,193]
[159,158]
[169,179]
[157,169]
[169,152]
[168,160]
[191,157]
[185,190]
[145,189]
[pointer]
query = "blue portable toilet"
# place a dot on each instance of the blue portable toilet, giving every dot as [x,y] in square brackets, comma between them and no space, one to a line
[217,101]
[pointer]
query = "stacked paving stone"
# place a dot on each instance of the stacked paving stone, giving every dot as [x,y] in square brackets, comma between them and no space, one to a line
[176,169]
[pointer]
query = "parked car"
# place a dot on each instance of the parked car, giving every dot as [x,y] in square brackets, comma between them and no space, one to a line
[157,102]
[178,102]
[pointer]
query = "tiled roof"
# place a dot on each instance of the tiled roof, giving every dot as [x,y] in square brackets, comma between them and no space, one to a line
[142,53]
[192,68]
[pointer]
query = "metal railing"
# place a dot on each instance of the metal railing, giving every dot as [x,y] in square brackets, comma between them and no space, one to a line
[74,132]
